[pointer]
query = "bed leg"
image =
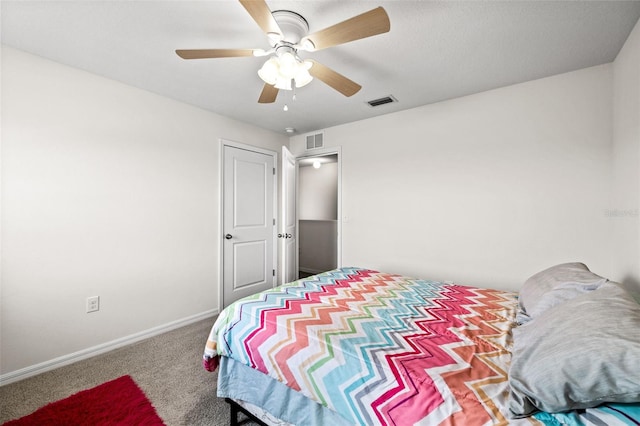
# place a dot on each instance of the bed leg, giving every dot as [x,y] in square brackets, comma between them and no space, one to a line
[235,410]
[233,414]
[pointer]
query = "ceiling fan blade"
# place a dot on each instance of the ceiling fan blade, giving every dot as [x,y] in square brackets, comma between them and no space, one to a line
[213,53]
[268,95]
[261,13]
[334,79]
[373,22]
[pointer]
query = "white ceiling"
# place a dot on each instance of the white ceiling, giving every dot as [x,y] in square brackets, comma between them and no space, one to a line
[436,50]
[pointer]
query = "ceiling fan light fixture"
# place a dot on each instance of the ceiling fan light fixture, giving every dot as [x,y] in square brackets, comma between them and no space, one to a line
[269,72]
[288,65]
[283,83]
[279,70]
[302,77]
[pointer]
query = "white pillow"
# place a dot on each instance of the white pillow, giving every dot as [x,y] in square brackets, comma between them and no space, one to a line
[578,355]
[553,286]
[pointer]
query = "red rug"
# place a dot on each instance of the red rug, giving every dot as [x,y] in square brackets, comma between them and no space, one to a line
[118,402]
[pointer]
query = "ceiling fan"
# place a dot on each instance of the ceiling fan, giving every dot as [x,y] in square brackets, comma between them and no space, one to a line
[287,33]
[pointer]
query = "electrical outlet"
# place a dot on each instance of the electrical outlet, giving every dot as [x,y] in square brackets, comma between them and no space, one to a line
[93,304]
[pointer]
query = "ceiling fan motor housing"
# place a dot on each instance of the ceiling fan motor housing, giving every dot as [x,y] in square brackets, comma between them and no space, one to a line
[292,24]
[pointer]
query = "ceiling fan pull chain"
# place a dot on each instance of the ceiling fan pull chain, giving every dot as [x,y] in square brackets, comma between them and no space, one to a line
[293,97]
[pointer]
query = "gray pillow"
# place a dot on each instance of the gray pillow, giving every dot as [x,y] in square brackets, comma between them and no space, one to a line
[578,355]
[553,286]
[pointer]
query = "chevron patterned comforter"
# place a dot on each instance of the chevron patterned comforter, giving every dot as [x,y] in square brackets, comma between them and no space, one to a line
[378,348]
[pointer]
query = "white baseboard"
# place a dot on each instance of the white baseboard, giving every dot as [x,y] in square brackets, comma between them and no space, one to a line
[52,364]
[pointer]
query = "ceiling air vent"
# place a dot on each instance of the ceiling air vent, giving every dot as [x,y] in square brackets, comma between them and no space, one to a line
[386,100]
[315,141]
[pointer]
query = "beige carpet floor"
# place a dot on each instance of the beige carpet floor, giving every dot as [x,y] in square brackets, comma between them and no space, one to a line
[167,367]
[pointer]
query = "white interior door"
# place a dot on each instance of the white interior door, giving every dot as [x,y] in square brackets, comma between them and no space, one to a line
[287,235]
[248,223]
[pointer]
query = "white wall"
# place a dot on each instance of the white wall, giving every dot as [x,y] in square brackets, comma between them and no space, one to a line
[106,190]
[318,192]
[624,209]
[318,249]
[484,190]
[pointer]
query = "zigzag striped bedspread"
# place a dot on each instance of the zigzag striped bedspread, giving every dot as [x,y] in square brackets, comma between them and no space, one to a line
[378,348]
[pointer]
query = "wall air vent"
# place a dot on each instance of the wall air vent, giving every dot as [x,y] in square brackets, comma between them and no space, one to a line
[315,141]
[382,101]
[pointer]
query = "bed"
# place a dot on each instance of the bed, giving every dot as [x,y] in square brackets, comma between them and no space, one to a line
[356,346]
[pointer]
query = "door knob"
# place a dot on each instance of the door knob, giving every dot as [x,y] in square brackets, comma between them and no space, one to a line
[228,236]
[280,235]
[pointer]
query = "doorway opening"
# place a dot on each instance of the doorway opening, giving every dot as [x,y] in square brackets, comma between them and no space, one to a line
[318,212]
